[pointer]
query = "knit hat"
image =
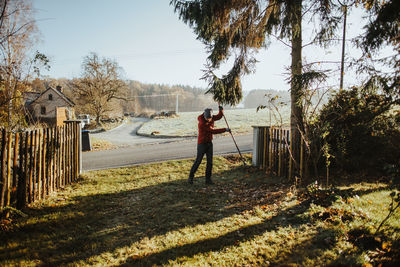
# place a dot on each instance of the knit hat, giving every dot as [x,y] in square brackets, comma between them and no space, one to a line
[207,113]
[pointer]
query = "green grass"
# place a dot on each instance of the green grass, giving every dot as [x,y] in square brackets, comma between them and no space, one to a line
[148,215]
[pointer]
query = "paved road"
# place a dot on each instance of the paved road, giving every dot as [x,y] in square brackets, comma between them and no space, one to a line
[145,150]
[125,135]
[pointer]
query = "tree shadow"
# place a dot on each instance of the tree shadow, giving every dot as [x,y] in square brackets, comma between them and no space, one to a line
[285,218]
[99,223]
[103,223]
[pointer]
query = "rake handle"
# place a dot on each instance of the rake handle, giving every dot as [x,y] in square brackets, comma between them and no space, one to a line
[234,141]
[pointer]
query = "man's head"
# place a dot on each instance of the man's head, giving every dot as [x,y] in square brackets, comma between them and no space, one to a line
[207,114]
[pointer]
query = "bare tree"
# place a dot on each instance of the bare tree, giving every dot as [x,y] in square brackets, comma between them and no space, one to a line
[99,84]
[18,33]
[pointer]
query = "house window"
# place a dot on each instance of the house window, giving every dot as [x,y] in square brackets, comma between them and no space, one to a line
[43,110]
[50,97]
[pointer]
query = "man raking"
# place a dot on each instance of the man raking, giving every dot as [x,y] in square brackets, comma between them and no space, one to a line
[204,142]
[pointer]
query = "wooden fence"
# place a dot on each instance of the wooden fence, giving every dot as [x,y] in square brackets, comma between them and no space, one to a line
[36,163]
[274,151]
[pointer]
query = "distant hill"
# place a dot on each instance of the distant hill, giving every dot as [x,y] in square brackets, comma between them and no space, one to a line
[161,97]
[259,97]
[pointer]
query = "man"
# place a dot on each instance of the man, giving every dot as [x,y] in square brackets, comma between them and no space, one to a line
[204,142]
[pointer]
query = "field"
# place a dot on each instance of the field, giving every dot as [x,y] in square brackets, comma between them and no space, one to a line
[148,215]
[240,120]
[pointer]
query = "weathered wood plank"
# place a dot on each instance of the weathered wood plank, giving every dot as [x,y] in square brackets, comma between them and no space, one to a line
[15,167]
[3,180]
[21,186]
[35,157]
[8,175]
[40,165]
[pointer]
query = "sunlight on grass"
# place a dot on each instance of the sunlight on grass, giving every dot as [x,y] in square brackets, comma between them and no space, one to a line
[100,144]
[240,121]
[148,215]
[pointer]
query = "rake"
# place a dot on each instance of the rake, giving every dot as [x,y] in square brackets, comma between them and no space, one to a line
[234,141]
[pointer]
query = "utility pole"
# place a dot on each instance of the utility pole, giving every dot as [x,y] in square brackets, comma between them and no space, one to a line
[343,45]
[177,104]
[345,6]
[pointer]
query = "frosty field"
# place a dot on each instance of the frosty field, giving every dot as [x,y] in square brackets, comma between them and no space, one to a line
[240,121]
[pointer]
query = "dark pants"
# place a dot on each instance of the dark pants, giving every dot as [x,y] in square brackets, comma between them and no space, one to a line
[202,149]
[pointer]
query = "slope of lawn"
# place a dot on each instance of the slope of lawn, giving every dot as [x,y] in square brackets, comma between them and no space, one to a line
[240,120]
[148,215]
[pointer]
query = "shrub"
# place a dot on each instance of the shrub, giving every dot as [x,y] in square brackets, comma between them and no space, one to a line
[362,130]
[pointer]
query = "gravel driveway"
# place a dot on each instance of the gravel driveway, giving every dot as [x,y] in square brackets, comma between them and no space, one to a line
[125,134]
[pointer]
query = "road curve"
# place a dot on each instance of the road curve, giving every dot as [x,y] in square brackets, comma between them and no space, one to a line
[156,152]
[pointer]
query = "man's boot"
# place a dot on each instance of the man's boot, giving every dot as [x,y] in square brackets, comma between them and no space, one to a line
[190,180]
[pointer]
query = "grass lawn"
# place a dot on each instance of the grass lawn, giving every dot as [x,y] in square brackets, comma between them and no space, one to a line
[148,215]
[240,121]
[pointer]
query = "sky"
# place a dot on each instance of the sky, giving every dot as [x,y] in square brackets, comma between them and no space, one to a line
[149,42]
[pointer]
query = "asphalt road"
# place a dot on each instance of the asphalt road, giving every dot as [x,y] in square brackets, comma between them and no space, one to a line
[140,150]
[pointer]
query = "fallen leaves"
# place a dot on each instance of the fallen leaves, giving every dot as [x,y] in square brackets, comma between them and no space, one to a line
[334,214]
[5,224]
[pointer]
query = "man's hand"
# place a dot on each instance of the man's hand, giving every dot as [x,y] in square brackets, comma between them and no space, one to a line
[228,130]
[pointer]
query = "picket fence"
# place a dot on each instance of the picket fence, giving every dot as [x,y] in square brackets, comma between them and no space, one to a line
[275,151]
[38,162]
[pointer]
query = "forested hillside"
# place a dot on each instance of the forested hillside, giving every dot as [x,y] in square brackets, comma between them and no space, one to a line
[160,97]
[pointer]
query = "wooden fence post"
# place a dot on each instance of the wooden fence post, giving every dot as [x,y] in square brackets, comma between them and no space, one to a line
[264,148]
[15,166]
[8,183]
[62,152]
[80,147]
[35,153]
[44,163]
[48,155]
[291,171]
[27,160]
[52,159]
[65,155]
[31,162]
[57,163]
[280,153]
[301,157]
[3,169]
[21,187]
[73,152]
[288,158]
[275,151]
[77,150]
[38,170]
[68,143]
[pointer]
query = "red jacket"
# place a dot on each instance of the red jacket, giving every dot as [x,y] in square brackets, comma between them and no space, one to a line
[206,129]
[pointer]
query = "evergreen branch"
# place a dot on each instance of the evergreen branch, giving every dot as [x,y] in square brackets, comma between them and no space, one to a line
[280,40]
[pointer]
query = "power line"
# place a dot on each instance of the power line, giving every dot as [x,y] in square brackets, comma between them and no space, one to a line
[138,96]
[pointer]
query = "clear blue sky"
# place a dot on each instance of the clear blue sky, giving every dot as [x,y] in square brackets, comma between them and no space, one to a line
[148,41]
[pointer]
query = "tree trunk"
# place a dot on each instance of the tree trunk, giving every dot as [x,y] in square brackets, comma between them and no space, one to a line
[97,120]
[296,116]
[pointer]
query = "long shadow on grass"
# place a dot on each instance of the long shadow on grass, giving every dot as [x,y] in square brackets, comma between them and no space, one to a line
[312,247]
[102,223]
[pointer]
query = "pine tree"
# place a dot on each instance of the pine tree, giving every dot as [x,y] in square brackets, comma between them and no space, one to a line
[241,27]
[383,30]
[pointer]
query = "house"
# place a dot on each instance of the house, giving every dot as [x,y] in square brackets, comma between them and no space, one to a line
[50,106]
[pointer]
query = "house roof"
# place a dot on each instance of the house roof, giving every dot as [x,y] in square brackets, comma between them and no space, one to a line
[66,99]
